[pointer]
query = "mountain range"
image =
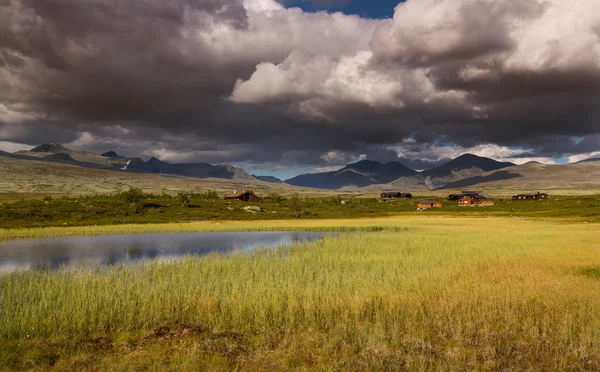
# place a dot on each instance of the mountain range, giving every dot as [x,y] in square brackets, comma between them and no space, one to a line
[463,167]
[364,176]
[361,174]
[111,160]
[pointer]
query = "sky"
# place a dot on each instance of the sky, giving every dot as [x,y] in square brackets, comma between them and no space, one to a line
[363,8]
[302,86]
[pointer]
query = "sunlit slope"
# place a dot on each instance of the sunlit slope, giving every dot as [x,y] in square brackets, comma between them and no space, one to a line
[19,176]
[536,176]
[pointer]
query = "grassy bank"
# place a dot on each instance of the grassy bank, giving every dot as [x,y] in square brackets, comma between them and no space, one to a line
[332,225]
[444,293]
[105,210]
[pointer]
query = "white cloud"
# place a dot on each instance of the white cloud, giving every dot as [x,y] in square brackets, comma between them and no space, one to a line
[483,40]
[85,140]
[274,32]
[13,147]
[14,114]
[580,157]
[435,153]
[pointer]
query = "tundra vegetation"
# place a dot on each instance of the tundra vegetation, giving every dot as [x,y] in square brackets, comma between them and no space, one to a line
[136,207]
[485,290]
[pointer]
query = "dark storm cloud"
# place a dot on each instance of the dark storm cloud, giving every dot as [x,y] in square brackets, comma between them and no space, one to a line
[160,69]
[228,81]
[526,70]
[104,60]
[36,134]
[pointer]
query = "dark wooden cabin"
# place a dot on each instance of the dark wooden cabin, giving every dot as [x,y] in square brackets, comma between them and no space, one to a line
[465,194]
[395,195]
[245,196]
[523,197]
[471,193]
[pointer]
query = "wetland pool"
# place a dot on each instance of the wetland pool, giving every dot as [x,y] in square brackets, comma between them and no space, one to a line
[107,250]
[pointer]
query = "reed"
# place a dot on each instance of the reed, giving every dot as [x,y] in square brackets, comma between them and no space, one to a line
[359,225]
[450,294]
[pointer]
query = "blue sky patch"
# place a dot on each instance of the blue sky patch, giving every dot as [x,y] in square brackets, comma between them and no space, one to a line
[363,8]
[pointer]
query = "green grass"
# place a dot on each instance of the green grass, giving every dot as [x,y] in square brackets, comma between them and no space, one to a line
[158,209]
[590,271]
[440,293]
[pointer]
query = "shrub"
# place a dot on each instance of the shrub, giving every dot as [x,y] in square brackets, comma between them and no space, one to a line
[295,202]
[183,199]
[133,196]
[209,195]
[275,198]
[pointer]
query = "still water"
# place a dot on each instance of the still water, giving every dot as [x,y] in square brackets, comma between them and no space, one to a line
[17,255]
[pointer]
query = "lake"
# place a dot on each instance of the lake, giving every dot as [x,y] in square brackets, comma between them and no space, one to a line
[94,251]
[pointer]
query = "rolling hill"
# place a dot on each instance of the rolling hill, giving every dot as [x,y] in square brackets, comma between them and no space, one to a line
[199,170]
[21,177]
[535,176]
[268,179]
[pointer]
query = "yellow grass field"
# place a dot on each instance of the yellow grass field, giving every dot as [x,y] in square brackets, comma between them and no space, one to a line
[433,294]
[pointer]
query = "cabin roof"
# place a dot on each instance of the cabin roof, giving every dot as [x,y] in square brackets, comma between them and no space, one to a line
[239,194]
[427,201]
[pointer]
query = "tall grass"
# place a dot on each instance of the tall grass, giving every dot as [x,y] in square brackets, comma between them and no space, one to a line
[451,294]
[221,226]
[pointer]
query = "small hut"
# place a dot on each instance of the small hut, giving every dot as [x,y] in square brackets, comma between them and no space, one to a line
[538,196]
[395,195]
[466,194]
[485,202]
[473,201]
[245,196]
[429,204]
[466,202]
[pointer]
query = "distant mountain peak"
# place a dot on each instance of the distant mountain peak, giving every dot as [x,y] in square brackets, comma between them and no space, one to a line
[270,179]
[50,147]
[366,161]
[111,154]
[469,156]
[464,166]
[466,161]
[360,174]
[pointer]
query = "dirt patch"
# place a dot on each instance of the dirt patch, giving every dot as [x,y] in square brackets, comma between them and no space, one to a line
[181,332]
